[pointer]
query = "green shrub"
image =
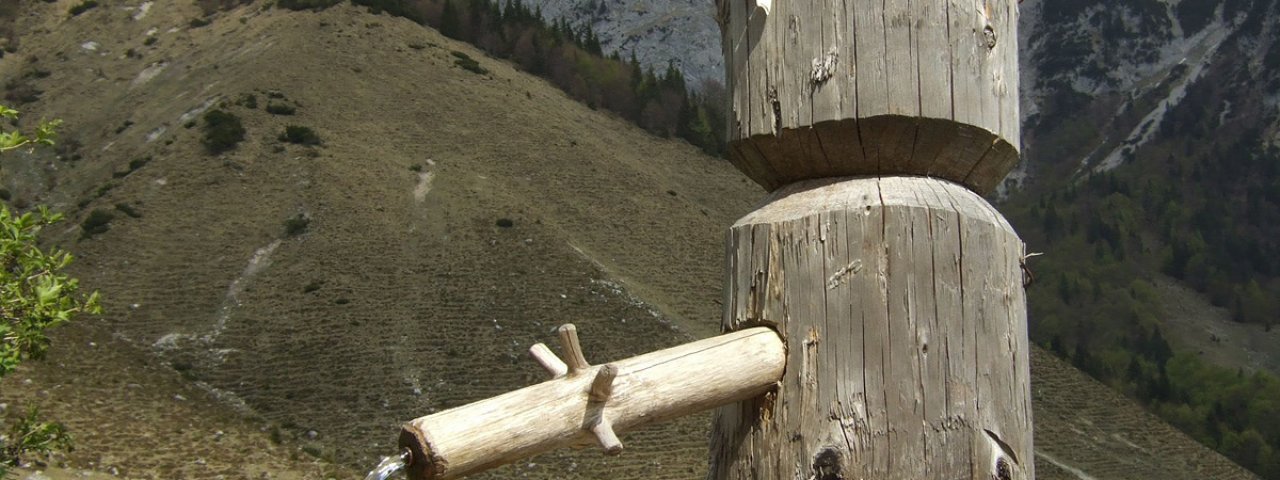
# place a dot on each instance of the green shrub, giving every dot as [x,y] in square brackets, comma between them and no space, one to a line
[149,41]
[249,101]
[296,225]
[222,131]
[104,189]
[299,135]
[128,210]
[137,163]
[98,221]
[134,165]
[199,22]
[209,7]
[30,435]
[280,109]
[469,64]
[21,92]
[313,5]
[311,287]
[84,6]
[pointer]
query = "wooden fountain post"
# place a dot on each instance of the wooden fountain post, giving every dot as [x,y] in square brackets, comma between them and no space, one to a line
[875,309]
[896,287]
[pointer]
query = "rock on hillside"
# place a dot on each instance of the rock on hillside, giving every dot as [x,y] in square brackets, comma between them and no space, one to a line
[306,299]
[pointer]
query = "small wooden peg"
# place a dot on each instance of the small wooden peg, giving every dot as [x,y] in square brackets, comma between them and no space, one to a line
[549,361]
[602,385]
[603,430]
[572,349]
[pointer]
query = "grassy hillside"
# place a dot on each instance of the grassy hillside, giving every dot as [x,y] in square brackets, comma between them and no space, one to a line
[306,299]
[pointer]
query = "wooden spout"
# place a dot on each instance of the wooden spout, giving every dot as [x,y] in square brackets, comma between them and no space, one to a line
[584,404]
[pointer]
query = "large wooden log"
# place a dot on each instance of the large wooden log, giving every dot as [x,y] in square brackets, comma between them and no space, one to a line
[584,404]
[828,88]
[901,303]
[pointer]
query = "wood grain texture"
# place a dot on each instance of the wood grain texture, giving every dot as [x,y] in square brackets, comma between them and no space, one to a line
[901,304]
[594,404]
[892,87]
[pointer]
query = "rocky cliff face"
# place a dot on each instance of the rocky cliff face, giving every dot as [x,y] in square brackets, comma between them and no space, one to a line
[683,32]
[1136,72]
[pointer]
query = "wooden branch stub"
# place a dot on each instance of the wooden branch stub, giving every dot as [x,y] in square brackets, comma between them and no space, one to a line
[572,349]
[602,386]
[599,393]
[549,361]
[603,430]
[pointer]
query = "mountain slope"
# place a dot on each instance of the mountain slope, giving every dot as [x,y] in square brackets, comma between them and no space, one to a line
[454,219]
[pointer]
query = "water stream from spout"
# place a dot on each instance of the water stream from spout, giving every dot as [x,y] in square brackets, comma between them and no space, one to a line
[388,467]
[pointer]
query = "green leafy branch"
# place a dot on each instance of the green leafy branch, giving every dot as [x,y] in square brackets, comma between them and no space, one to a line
[29,435]
[35,293]
[44,134]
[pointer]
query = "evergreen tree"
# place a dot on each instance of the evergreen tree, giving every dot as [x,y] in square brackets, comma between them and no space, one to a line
[449,21]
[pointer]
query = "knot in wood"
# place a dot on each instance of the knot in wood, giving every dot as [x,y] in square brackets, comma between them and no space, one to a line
[826,464]
[823,67]
[989,37]
[1003,471]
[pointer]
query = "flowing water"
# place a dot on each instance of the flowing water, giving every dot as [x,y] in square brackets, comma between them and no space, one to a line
[388,467]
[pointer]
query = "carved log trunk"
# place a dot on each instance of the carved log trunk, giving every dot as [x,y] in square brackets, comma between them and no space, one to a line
[828,88]
[901,304]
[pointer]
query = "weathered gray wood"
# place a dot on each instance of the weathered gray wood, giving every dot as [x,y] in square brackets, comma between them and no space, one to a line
[591,404]
[870,75]
[827,97]
[1007,85]
[914,87]
[900,302]
[958,380]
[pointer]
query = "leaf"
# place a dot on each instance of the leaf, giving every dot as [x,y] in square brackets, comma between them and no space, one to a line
[47,131]
[48,291]
[12,140]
